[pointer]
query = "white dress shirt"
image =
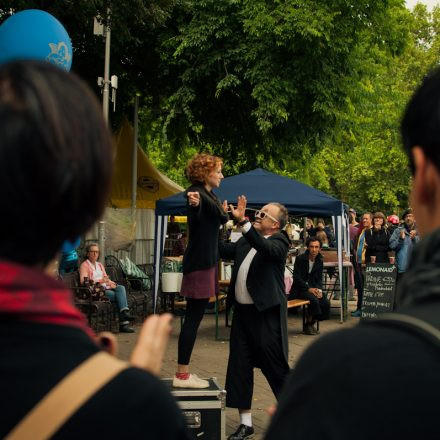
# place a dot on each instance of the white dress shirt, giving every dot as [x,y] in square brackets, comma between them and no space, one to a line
[242,295]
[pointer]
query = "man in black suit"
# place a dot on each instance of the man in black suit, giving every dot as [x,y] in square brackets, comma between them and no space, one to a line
[307,284]
[259,326]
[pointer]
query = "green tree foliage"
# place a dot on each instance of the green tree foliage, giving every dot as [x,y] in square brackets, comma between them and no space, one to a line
[362,162]
[259,81]
[310,89]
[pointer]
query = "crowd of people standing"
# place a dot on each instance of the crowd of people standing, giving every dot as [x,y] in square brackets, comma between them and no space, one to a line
[377,239]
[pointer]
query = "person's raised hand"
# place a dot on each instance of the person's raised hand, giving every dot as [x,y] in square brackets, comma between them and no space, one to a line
[193,198]
[239,212]
[152,342]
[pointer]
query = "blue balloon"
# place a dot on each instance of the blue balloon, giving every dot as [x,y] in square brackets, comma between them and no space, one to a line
[35,35]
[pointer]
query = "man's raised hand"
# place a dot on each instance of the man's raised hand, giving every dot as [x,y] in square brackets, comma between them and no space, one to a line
[239,212]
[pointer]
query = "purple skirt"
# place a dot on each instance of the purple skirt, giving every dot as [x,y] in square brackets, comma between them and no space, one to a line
[200,283]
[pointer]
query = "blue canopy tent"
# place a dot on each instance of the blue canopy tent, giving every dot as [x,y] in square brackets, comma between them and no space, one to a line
[260,187]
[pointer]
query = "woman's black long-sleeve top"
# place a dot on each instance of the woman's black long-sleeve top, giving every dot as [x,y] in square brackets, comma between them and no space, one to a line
[377,244]
[204,223]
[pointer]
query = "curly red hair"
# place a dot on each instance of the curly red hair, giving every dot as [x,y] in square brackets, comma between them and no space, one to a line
[200,166]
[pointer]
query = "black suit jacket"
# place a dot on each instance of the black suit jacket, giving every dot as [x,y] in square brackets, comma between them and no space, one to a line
[302,279]
[265,280]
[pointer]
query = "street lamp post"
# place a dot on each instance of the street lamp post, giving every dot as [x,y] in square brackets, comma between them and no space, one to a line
[105,93]
[100,29]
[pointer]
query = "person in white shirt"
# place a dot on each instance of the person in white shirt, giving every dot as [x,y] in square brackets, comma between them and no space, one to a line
[259,325]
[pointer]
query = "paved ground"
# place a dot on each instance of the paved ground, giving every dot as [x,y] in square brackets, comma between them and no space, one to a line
[210,359]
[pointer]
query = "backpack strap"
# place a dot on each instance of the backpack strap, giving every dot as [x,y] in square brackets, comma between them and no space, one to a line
[410,323]
[62,401]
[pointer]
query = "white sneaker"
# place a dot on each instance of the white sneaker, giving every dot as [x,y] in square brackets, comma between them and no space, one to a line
[192,382]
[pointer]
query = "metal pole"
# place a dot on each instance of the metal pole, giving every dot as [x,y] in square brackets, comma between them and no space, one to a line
[105,103]
[134,158]
[106,91]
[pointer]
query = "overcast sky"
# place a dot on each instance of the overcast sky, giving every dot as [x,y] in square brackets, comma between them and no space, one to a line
[430,3]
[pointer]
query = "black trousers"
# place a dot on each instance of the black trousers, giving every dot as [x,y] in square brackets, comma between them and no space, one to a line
[255,342]
[195,308]
[319,308]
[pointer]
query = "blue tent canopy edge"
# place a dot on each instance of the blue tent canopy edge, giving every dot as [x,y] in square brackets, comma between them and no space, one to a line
[262,187]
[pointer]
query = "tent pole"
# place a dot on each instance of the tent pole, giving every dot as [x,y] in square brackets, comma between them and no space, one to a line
[159,240]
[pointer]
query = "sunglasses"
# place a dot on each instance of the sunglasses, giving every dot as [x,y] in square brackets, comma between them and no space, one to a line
[262,215]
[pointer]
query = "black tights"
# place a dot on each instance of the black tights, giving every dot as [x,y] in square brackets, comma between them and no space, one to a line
[195,308]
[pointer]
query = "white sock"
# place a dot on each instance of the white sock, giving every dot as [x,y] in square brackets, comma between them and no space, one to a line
[246,418]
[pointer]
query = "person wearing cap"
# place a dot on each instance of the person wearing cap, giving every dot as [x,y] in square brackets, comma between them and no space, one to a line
[403,240]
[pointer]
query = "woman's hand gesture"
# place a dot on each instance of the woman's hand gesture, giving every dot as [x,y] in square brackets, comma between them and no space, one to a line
[193,198]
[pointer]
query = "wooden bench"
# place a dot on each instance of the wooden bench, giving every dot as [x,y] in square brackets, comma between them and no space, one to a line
[293,303]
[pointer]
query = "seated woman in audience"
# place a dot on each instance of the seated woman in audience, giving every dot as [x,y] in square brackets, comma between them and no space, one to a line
[95,271]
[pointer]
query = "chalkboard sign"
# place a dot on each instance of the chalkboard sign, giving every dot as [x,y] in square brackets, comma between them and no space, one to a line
[379,289]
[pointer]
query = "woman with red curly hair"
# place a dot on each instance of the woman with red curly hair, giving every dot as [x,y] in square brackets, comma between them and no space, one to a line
[205,216]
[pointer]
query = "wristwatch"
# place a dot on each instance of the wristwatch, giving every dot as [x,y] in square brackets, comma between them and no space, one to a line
[243,222]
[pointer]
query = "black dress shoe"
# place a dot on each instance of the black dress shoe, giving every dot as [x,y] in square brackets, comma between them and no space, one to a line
[242,432]
[126,329]
[125,315]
